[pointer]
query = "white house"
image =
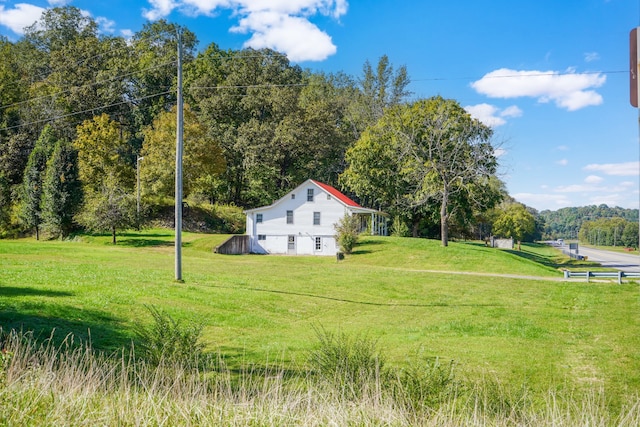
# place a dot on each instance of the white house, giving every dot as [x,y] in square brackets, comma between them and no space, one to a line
[302,222]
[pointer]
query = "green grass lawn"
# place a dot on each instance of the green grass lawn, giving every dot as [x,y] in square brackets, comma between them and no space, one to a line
[543,333]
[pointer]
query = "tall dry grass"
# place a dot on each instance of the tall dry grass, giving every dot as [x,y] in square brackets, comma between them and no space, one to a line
[70,384]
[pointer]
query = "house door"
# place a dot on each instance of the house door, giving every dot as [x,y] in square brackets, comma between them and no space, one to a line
[291,244]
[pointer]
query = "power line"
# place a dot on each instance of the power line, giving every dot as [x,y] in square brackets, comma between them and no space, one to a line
[2,107]
[64,116]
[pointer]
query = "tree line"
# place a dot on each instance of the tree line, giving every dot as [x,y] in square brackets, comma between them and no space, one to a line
[83,116]
[578,223]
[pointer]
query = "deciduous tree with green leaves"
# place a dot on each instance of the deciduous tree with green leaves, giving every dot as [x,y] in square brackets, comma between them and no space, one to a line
[430,152]
[515,222]
[104,153]
[110,209]
[202,161]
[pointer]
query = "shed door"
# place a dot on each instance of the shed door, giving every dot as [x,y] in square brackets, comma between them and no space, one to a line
[291,244]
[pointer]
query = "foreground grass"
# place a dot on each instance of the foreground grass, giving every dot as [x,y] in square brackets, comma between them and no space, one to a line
[546,335]
[44,385]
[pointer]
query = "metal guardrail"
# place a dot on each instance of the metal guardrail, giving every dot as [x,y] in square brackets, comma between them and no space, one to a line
[619,275]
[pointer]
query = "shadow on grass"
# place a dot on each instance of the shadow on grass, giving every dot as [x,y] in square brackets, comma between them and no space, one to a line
[144,242]
[142,234]
[551,261]
[359,302]
[14,291]
[102,330]
[367,247]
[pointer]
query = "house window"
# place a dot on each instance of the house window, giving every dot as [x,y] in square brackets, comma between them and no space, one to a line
[310,195]
[293,196]
[262,237]
[318,243]
[258,218]
[316,218]
[289,217]
[328,196]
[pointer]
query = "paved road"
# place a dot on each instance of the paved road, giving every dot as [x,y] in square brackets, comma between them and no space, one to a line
[617,260]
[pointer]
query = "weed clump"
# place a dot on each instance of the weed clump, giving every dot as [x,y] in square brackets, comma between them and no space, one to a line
[170,342]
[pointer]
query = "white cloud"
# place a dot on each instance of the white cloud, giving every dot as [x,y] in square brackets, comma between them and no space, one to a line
[281,25]
[22,15]
[544,201]
[593,188]
[591,56]
[106,25]
[569,90]
[616,169]
[58,3]
[611,200]
[562,162]
[127,34]
[512,111]
[160,9]
[295,36]
[499,152]
[491,115]
[593,179]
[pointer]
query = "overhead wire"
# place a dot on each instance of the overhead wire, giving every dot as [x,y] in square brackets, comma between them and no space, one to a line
[55,94]
[75,113]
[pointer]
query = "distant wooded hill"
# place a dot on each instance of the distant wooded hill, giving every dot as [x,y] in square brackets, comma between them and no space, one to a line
[565,223]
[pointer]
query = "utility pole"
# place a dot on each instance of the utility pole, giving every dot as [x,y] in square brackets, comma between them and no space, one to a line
[634,81]
[138,160]
[179,148]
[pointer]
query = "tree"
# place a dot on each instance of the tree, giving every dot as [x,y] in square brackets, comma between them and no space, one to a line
[155,50]
[203,160]
[110,209]
[379,90]
[254,114]
[31,191]
[430,152]
[104,153]
[515,222]
[630,235]
[62,192]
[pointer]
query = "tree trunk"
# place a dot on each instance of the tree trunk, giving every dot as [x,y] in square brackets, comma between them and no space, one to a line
[37,233]
[414,227]
[444,223]
[113,235]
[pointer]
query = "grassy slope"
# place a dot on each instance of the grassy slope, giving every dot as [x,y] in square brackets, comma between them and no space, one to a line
[265,307]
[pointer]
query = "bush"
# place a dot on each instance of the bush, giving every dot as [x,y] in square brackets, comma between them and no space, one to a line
[399,228]
[351,364]
[425,384]
[168,341]
[347,233]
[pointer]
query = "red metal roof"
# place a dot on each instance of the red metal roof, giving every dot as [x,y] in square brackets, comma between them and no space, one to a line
[338,195]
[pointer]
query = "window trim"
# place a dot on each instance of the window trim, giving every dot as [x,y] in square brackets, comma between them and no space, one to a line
[310,195]
[316,218]
[259,218]
[318,244]
[289,217]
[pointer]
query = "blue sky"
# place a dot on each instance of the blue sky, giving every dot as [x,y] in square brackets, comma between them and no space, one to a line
[551,77]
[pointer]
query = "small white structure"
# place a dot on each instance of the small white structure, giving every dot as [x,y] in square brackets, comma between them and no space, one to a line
[302,222]
[501,243]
